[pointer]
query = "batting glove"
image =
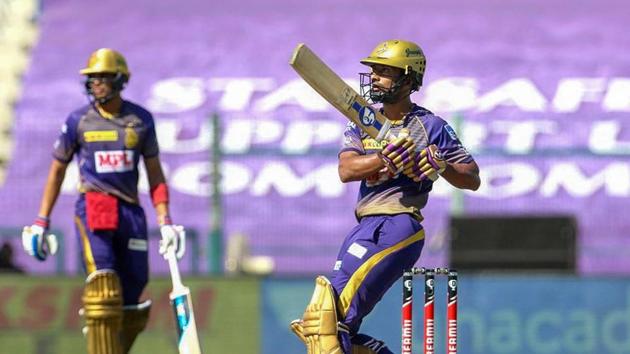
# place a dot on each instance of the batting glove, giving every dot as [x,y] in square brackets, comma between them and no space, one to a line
[398,153]
[429,163]
[173,238]
[36,240]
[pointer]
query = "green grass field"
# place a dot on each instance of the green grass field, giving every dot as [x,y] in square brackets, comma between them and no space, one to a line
[39,315]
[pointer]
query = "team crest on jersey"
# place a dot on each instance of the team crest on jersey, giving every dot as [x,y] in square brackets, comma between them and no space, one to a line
[113,161]
[131,138]
[450,132]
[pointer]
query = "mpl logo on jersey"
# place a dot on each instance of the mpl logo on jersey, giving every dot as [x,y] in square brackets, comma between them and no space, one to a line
[113,161]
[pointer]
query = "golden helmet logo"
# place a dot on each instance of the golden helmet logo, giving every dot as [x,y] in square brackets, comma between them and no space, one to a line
[382,49]
[131,138]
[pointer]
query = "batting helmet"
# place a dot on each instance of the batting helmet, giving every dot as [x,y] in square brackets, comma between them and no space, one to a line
[400,54]
[106,60]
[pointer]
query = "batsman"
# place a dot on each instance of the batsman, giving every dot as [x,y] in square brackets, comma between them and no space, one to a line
[108,137]
[396,175]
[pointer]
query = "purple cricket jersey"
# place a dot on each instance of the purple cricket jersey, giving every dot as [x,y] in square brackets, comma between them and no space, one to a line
[383,194]
[108,150]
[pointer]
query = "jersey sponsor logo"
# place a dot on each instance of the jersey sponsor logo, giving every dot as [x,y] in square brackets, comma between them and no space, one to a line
[113,161]
[372,144]
[450,132]
[93,136]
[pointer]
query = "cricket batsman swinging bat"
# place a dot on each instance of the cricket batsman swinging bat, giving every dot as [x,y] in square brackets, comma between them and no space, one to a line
[338,93]
[187,343]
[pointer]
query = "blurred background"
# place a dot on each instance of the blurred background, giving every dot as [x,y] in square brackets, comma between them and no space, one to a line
[539,92]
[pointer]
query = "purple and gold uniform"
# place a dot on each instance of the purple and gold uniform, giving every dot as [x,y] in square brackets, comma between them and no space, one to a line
[389,236]
[108,152]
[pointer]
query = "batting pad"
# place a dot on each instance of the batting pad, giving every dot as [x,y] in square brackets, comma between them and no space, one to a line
[102,303]
[319,323]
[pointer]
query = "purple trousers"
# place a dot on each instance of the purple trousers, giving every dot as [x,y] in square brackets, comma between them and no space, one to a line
[123,250]
[372,258]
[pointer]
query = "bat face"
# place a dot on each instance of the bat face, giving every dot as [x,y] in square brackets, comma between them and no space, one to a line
[188,342]
[182,313]
[338,93]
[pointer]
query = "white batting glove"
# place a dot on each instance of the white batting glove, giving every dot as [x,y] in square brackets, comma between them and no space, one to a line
[36,240]
[173,237]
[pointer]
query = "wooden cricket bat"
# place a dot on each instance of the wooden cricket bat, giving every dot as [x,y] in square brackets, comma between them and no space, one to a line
[187,340]
[338,93]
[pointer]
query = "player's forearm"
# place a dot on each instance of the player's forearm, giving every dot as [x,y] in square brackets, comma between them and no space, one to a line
[158,189]
[359,167]
[155,175]
[160,198]
[54,181]
[463,176]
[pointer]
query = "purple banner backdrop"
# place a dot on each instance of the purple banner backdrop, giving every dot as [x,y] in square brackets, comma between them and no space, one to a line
[538,90]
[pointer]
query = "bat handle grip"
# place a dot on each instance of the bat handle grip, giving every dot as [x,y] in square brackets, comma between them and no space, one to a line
[384,132]
[172,265]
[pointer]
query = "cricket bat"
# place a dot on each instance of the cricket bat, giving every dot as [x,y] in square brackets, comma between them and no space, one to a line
[180,297]
[338,93]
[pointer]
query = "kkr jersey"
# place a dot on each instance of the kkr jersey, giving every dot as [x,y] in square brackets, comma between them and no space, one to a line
[108,150]
[382,193]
